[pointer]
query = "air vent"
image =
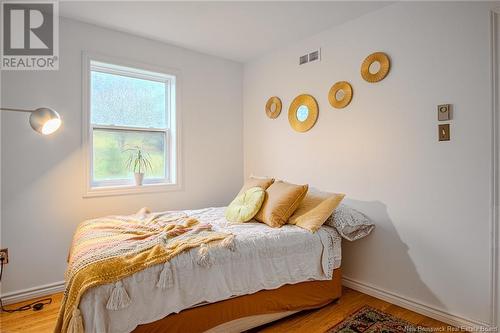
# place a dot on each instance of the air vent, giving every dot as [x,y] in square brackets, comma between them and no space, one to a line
[310,57]
[314,56]
[304,59]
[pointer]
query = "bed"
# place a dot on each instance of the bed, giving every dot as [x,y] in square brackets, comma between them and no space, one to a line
[270,273]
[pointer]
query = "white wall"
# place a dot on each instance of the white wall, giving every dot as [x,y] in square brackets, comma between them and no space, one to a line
[42,183]
[431,201]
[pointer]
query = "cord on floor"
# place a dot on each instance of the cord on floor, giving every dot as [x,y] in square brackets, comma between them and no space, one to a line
[36,305]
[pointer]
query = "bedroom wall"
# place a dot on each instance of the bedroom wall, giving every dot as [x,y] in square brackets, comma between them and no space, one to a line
[42,183]
[431,200]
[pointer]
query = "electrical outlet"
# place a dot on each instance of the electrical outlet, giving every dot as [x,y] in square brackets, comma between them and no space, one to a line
[444,112]
[4,253]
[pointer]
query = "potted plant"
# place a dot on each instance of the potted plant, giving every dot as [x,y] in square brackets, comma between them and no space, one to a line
[139,161]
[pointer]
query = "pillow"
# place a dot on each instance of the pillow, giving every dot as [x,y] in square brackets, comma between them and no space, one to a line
[350,223]
[244,207]
[315,209]
[262,182]
[281,201]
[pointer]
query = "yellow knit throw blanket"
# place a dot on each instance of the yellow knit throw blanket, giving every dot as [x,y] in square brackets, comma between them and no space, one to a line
[106,250]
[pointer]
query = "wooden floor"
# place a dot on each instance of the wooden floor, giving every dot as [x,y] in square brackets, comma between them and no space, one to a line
[313,321]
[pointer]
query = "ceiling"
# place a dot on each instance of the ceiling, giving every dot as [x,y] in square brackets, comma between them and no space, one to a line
[240,31]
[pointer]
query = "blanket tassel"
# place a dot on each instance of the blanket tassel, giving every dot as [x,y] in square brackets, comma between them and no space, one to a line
[228,243]
[119,298]
[165,280]
[75,324]
[204,258]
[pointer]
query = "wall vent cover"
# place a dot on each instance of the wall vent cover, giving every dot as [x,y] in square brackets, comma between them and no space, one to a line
[310,57]
[304,59]
[314,56]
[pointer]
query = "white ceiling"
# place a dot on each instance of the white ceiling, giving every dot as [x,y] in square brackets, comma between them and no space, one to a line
[241,31]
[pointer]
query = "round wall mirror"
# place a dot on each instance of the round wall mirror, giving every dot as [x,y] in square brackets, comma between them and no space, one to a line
[303,113]
[273,107]
[375,67]
[340,94]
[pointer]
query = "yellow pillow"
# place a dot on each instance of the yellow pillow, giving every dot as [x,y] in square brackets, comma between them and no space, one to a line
[315,209]
[261,182]
[282,199]
[244,207]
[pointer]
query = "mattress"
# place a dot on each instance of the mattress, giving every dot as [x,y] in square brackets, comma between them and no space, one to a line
[264,258]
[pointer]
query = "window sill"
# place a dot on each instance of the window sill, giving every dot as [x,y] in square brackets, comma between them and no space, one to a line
[129,190]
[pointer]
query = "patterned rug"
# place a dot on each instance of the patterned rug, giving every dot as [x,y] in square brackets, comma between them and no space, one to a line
[370,320]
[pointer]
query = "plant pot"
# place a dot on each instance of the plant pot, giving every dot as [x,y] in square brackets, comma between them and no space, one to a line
[139,177]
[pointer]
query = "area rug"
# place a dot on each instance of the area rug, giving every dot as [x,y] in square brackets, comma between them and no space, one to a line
[370,320]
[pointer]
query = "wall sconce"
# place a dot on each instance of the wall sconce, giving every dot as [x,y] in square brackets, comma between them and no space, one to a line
[43,120]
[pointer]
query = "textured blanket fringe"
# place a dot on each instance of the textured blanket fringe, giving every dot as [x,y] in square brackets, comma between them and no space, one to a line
[204,258]
[165,280]
[119,298]
[76,322]
[228,243]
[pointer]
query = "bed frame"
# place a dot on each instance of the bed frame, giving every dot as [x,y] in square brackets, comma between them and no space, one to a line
[245,312]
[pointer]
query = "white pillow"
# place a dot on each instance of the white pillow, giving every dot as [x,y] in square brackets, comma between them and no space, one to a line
[350,223]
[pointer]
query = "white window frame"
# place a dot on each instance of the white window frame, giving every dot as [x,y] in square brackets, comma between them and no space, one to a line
[117,66]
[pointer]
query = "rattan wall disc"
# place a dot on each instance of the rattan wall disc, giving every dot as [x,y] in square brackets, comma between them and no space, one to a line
[273,107]
[340,88]
[383,70]
[303,113]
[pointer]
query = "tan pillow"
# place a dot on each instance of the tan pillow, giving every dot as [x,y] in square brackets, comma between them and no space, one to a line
[252,181]
[282,199]
[315,209]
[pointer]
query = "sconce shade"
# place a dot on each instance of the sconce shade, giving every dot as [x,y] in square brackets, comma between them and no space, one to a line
[45,121]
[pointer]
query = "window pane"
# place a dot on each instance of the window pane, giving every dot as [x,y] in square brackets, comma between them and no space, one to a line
[110,157]
[126,101]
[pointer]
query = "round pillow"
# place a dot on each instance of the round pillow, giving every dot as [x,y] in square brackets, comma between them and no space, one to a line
[246,205]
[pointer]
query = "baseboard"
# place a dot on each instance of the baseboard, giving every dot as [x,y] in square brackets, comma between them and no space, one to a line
[31,293]
[415,306]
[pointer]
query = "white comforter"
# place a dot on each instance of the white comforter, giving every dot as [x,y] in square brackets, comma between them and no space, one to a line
[264,258]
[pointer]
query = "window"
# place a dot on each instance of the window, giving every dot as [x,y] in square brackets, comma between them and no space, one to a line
[129,108]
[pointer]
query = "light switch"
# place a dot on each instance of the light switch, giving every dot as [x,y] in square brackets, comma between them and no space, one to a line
[444,132]
[444,112]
